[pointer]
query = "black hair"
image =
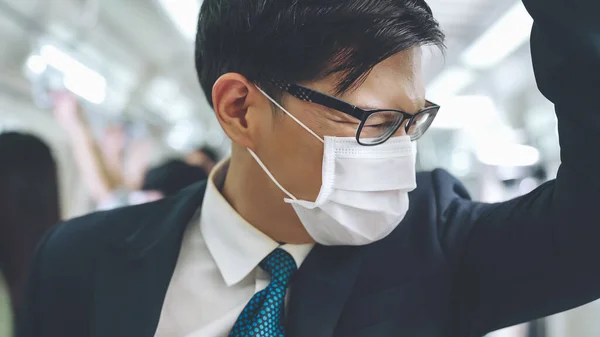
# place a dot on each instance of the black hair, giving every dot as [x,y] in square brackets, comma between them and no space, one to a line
[297,41]
[172,176]
[29,204]
[210,152]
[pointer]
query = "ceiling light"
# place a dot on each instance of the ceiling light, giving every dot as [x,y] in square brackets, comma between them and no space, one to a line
[500,40]
[79,79]
[507,154]
[91,91]
[466,112]
[36,64]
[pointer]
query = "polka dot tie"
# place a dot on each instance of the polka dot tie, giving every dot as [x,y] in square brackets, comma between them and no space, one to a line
[264,315]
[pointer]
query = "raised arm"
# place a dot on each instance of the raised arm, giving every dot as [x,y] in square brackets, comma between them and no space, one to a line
[101,181]
[538,254]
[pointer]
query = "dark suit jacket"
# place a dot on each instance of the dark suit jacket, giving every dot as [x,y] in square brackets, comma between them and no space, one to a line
[452,268]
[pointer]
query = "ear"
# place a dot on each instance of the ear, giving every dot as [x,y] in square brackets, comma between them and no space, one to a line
[239,108]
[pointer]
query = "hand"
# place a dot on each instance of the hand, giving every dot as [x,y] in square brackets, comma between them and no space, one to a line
[66,111]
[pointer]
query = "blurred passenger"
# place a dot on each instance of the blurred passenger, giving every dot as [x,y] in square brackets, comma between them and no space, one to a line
[540,173]
[110,175]
[167,180]
[102,177]
[323,101]
[29,205]
[205,157]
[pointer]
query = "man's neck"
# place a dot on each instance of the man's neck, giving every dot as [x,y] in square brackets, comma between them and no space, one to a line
[254,197]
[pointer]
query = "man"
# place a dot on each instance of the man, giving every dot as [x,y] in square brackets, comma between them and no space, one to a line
[306,230]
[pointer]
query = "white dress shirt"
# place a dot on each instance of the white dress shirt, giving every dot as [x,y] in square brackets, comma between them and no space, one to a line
[217,271]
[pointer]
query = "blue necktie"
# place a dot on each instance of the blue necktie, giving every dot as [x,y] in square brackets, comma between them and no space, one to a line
[264,315]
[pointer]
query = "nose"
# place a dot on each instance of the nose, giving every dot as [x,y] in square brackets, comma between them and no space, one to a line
[401,129]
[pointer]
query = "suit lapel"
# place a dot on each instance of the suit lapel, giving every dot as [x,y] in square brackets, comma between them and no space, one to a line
[129,295]
[133,279]
[320,290]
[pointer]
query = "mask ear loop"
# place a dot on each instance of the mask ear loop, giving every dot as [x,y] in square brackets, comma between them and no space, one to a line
[262,165]
[291,116]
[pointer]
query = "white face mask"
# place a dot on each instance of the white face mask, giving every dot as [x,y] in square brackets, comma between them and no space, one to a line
[364,189]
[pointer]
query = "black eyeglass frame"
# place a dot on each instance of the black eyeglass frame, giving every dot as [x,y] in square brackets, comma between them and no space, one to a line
[309,95]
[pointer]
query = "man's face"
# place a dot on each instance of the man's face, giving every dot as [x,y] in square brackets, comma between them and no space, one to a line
[294,156]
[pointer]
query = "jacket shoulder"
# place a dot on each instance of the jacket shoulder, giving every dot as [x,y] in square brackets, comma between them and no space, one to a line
[69,250]
[441,185]
[439,199]
[103,227]
[84,238]
[65,267]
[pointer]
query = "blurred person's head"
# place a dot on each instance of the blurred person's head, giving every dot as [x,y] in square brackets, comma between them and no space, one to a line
[367,53]
[540,173]
[205,157]
[29,204]
[169,178]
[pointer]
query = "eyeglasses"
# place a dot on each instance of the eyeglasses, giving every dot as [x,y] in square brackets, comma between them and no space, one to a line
[376,126]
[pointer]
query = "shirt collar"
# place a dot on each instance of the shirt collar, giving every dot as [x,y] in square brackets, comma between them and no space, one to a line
[236,246]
